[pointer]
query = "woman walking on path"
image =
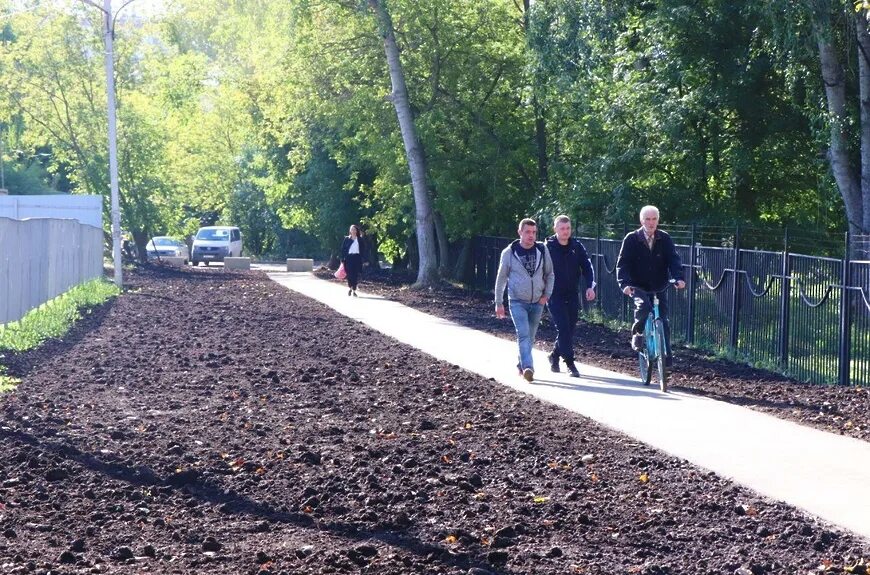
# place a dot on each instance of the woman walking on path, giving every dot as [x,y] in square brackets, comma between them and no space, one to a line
[352,251]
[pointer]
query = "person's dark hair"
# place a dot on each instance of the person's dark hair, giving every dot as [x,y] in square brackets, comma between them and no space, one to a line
[358,230]
[527,222]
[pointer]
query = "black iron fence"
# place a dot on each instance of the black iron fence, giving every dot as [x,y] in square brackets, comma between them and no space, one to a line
[807,316]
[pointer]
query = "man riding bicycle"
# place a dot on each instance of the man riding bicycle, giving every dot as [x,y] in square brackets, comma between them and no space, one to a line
[645,259]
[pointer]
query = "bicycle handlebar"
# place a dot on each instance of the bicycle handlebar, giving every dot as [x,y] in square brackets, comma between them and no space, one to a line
[670,283]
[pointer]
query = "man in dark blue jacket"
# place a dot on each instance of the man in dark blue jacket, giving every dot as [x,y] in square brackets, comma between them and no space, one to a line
[569,260]
[646,258]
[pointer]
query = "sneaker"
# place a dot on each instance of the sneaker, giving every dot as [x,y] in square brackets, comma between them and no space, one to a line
[529,374]
[572,369]
[354,293]
[554,362]
[349,291]
[637,342]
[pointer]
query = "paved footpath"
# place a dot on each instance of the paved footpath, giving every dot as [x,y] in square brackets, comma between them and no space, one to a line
[822,473]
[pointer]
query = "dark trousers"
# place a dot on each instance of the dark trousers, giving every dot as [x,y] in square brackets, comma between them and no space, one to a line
[353,265]
[563,309]
[643,307]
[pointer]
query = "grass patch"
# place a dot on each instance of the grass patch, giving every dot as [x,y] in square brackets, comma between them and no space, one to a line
[596,316]
[7,382]
[54,318]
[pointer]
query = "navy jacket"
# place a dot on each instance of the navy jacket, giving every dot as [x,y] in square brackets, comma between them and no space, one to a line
[638,266]
[568,262]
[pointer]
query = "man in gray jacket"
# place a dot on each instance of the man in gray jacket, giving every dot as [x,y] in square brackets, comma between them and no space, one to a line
[527,271]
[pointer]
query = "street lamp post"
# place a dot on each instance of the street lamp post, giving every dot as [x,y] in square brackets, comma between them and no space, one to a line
[109,33]
[108,38]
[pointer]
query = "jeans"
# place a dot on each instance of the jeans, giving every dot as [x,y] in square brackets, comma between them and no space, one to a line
[643,307]
[564,310]
[526,317]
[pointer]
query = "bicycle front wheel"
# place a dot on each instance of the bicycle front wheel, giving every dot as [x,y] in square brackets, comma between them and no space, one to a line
[661,359]
[646,369]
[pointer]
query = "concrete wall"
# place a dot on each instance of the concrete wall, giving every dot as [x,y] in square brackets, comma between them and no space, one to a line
[85,209]
[42,258]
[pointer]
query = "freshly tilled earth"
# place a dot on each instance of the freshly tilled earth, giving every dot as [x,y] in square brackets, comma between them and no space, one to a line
[213,422]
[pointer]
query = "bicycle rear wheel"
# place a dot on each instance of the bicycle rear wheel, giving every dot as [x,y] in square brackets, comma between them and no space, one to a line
[661,365]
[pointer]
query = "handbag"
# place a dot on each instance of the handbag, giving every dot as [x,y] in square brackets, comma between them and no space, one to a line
[340,274]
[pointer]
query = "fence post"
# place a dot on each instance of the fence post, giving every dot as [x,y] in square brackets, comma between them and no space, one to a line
[845,319]
[735,292]
[598,257]
[475,258]
[690,315]
[625,301]
[785,303]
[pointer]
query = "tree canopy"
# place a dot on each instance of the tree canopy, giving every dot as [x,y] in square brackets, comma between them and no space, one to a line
[285,117]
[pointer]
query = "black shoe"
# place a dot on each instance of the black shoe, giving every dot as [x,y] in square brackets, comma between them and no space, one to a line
[669,361]
[637,342]
[349,291]
[572,369]
[554,362]
[354,293]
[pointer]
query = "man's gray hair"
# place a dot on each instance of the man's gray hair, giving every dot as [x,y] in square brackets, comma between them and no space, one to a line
[646,209]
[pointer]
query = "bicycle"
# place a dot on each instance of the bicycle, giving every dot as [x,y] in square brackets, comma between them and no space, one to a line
[655,348]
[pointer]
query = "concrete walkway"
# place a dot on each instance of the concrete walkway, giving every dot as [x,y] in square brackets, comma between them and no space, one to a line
[822,473]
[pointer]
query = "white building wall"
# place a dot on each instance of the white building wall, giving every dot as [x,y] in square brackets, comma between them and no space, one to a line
[85,209]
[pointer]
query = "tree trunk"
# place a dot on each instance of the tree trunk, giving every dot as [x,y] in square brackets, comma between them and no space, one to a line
[835,93]
[427,272]
[443,245]
[540,122]
[372,248]
[140,240]
[464,270]
[864,99]
[412,254]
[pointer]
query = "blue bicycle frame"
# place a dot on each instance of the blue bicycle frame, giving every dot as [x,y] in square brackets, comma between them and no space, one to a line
[655,347]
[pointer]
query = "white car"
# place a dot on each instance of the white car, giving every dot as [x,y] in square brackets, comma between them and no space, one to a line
[214,243]
[165,247]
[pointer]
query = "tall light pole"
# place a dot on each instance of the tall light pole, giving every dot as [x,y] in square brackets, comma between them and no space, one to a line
[108,39]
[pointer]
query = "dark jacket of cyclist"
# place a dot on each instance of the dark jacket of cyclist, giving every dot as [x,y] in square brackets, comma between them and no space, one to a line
[638,265]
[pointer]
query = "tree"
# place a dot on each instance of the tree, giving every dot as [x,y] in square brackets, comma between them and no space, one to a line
[427,273]
[851,171]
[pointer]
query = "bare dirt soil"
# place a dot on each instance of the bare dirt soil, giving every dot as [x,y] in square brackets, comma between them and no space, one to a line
[213,422]
[838,409]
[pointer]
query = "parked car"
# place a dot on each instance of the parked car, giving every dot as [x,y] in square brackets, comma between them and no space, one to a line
[165,246]
[214,243]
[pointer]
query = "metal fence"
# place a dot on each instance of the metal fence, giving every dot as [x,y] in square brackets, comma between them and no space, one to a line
[807,316]
[42,258]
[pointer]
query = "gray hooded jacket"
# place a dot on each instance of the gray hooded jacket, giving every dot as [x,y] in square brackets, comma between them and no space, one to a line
[521,286]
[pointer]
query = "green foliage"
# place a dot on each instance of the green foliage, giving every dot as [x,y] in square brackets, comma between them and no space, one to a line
[688,106]
[7,382]
[275,115]
[55,317]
